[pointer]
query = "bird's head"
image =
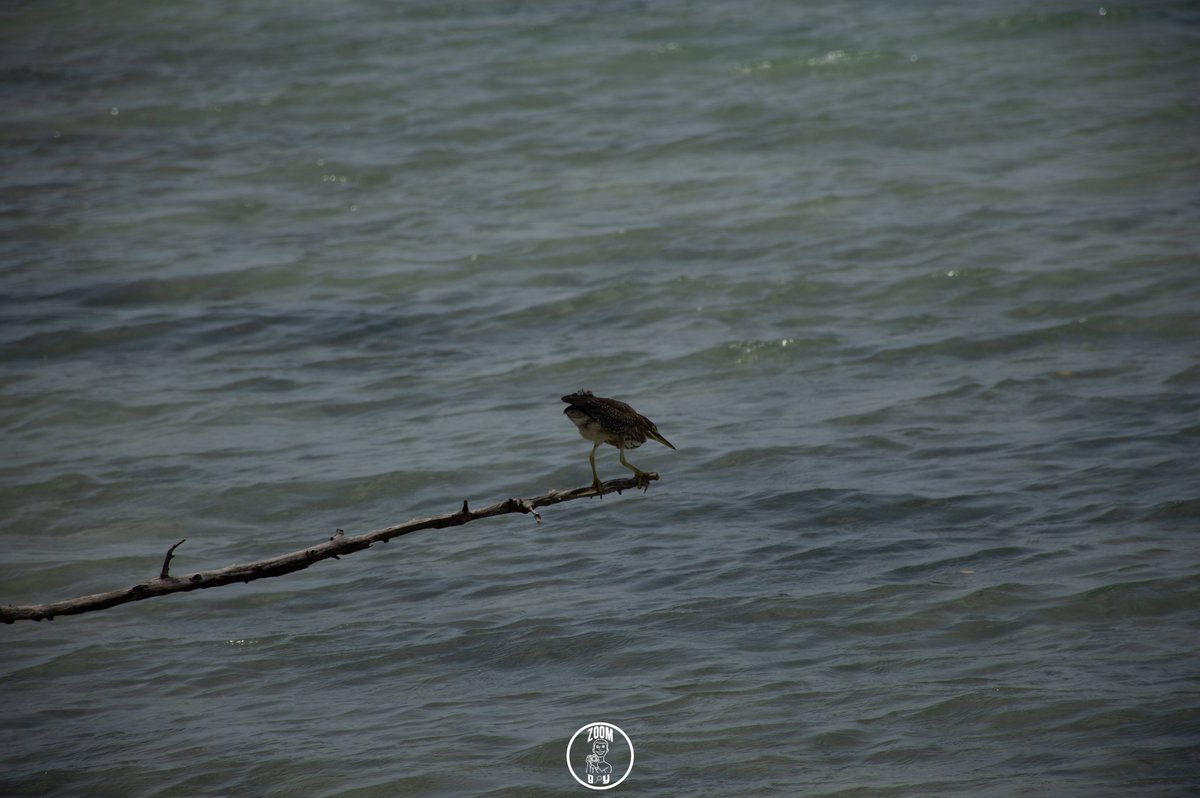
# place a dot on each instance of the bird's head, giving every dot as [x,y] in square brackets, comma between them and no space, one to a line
[653,433]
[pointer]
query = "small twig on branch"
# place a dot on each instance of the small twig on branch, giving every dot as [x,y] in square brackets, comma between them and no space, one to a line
[166,569]
[337,545]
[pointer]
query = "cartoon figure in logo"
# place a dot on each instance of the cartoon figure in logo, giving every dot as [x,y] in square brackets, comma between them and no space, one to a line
[597,768]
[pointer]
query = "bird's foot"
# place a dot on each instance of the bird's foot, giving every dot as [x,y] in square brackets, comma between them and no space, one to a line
[598,486]
[643,480]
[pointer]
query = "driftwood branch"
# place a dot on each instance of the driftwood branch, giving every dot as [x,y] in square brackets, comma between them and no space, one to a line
[334,547]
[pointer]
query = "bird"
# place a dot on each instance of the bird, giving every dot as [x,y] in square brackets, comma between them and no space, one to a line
[601,420]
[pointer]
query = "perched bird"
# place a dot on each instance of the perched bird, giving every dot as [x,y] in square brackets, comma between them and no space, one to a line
[613,422]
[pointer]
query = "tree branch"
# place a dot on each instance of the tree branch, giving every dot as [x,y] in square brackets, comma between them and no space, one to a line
[334,547]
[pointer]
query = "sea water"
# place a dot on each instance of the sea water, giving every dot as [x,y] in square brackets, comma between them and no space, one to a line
[913,289]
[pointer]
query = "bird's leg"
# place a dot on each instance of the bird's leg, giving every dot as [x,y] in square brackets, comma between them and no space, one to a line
[642,481]
[595,476]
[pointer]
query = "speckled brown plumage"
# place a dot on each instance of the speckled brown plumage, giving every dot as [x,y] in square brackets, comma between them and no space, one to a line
[611,421]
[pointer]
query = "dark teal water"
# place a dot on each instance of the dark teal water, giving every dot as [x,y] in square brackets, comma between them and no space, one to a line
[914,292]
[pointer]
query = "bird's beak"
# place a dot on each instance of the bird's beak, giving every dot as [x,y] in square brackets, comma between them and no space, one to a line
[662,440]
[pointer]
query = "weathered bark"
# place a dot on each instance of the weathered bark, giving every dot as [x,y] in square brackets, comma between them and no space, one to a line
[335,546]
